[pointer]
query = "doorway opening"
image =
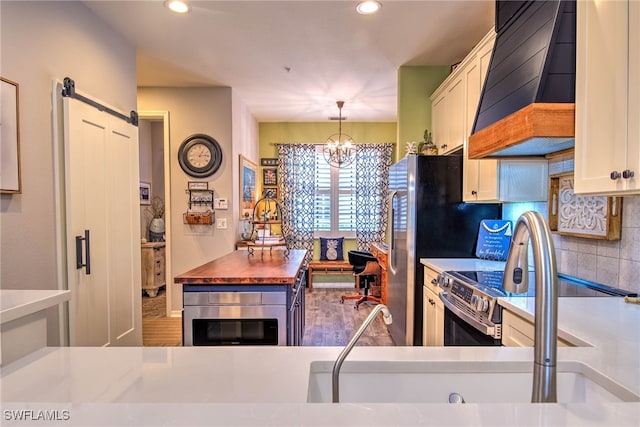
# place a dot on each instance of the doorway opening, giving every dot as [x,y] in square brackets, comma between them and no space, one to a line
[161,325]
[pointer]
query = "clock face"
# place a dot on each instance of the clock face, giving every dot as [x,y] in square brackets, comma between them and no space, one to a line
[200,155]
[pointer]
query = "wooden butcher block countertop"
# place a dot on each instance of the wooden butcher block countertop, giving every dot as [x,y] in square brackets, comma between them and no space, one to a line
[241,268]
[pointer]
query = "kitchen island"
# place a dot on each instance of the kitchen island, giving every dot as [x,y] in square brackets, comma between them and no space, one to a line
[268,385]
[245,299]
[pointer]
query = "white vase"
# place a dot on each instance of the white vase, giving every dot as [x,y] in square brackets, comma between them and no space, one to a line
[156,230]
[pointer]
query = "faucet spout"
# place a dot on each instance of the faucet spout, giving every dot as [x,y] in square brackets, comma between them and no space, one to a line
[335,376]
[532,226]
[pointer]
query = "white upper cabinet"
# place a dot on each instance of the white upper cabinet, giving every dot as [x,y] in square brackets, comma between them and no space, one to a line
[607,148]
[448,114]
[454,106]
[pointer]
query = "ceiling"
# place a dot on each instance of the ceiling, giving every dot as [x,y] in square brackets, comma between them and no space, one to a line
[292,60]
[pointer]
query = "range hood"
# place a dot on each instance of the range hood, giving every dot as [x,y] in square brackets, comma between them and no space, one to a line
[527,103]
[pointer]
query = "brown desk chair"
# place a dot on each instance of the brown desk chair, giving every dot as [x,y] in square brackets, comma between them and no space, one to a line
[365,267]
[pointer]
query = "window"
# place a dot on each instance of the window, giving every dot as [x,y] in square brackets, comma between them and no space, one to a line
[335,199]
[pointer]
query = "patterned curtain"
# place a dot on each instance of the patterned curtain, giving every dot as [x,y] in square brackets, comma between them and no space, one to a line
[372,185]
[296,167]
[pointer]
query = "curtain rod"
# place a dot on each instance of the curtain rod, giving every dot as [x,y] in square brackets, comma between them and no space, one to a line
[69,90]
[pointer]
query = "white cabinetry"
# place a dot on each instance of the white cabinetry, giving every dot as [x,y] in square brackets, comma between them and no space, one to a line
[448,113]
[607,148]
[453,110]
[433,318]
[518,332]
[454,103]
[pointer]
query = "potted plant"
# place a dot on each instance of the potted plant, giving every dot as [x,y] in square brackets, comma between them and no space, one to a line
[428,147]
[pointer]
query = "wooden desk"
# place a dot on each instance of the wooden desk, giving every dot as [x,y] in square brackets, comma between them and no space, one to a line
[382,255]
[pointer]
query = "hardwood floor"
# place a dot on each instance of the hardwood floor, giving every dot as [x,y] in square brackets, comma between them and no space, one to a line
[328,322]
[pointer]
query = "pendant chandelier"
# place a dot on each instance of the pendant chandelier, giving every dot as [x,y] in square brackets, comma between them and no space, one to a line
[339,149]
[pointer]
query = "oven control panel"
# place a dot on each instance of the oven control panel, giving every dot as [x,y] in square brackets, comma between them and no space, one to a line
[471,303]
[469,295]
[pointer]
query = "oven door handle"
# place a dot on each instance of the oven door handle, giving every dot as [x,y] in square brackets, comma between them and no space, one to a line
[489,330]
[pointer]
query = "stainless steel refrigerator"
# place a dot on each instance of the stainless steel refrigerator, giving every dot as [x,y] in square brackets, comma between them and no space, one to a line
[427,220]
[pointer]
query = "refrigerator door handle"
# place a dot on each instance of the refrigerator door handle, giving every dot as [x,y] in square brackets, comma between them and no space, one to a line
[392,233]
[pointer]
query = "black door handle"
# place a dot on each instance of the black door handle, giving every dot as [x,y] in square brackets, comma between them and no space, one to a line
[87,246]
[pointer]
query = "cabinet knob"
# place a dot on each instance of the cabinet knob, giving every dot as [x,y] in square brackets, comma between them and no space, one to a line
[432,302]
[615,175]
[626,174]
[443,146]
[474,193]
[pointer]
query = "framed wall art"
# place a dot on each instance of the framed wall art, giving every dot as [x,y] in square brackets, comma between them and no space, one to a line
[145,193]
[591,217]
[248,187]
[269,161]
[10,180]
[271,192]
[269,176]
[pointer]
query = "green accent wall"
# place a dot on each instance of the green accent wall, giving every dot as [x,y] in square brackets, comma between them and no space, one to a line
[415,86]
[271,133]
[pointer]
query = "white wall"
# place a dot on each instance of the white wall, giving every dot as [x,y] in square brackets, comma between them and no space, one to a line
[208,111]
[245,142]
[41,42]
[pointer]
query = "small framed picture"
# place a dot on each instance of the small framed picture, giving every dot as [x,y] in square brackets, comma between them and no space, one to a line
[271,192]
[248,187]
[268,161]
[198,185]
[145,193]
[269,176]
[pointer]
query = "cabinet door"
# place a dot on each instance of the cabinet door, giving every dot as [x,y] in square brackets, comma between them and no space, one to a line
[429,325]
[438,322]
[455,108]
[470,166]
[480,176]
[633,148]
[440,131]
[602,67]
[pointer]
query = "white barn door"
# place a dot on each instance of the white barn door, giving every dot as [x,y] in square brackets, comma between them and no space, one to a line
[102,227]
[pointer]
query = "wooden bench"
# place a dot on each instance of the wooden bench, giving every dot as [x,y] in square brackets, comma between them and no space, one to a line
[329,267]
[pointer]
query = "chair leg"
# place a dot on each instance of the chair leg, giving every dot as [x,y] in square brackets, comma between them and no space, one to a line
[366,297]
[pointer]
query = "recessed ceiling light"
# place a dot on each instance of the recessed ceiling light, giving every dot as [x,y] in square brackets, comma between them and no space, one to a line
[368,7]
[178,6]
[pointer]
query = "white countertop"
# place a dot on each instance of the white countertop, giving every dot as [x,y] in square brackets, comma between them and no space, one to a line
[17,303]
[268,385]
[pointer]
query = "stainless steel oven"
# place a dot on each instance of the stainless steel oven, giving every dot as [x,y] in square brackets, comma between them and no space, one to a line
[473,316]
[235,318]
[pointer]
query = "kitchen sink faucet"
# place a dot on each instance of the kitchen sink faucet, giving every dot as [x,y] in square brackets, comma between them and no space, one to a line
[531,225]
[335,376]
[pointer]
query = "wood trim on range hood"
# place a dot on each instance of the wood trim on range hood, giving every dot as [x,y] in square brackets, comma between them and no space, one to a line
[535,130]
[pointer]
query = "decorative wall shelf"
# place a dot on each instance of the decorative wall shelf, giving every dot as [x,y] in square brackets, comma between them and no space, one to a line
[201,207]
[591,217]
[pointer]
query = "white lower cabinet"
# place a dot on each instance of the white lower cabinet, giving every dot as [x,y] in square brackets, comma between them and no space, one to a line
[433,316]
[519,332]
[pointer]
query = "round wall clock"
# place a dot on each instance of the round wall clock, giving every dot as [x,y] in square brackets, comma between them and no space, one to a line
[200,156]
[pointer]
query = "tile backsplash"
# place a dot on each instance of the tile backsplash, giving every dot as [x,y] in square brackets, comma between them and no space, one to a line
[613,263]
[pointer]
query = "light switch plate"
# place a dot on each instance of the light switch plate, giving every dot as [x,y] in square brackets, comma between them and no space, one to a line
[221,203]
[221,223]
